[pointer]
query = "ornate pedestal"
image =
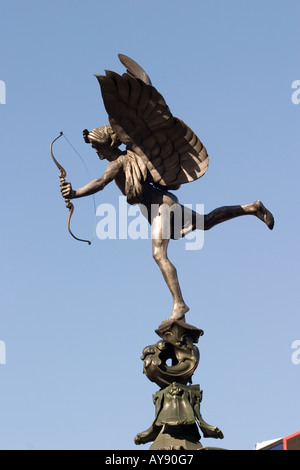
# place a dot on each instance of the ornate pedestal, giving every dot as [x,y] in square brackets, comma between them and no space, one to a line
[177,404]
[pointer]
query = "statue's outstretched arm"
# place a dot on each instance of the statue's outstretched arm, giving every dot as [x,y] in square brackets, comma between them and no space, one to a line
[94,186]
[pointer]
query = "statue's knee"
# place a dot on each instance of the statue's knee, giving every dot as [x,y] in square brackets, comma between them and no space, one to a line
[156,256]
[159,255]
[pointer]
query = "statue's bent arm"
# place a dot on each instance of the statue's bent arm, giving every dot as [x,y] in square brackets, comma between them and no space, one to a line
[94,186]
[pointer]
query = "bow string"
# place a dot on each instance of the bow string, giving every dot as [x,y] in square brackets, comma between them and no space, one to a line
[62,177]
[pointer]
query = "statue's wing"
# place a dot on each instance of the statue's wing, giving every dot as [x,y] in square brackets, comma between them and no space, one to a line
[142,120]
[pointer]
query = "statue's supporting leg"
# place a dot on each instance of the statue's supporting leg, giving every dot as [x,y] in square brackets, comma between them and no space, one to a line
[159,252]
[222,214]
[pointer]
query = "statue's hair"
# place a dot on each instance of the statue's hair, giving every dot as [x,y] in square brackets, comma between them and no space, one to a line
[110,135]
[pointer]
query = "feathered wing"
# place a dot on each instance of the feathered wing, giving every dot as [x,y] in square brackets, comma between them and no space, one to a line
[139,115]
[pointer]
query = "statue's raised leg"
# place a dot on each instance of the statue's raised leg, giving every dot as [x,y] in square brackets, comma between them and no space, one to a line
[222,214]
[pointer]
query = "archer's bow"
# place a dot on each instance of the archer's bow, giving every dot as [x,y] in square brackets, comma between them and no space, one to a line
[62,176]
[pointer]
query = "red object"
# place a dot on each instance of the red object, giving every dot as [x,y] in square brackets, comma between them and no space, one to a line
[291,442]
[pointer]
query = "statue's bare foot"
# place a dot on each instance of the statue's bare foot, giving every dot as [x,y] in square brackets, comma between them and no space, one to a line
[263,214]
[179,311]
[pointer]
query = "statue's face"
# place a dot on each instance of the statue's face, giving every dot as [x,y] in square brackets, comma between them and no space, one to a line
[102,157]
[104,141]
[100,140]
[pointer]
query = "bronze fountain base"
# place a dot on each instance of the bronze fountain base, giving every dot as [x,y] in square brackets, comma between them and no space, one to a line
[177,403]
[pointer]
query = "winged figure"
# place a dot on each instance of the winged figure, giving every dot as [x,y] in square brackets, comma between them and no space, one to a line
[161,154]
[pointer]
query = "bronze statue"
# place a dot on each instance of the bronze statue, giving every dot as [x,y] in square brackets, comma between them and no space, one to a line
[162,153]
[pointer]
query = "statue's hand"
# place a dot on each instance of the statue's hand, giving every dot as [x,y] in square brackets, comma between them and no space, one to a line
[67,191]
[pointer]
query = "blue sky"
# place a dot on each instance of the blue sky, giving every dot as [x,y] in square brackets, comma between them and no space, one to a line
[75,318]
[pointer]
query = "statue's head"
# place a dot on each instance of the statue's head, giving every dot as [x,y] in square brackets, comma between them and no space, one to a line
[103,139]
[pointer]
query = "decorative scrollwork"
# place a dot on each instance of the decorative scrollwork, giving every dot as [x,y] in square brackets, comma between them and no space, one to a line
[176,346]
